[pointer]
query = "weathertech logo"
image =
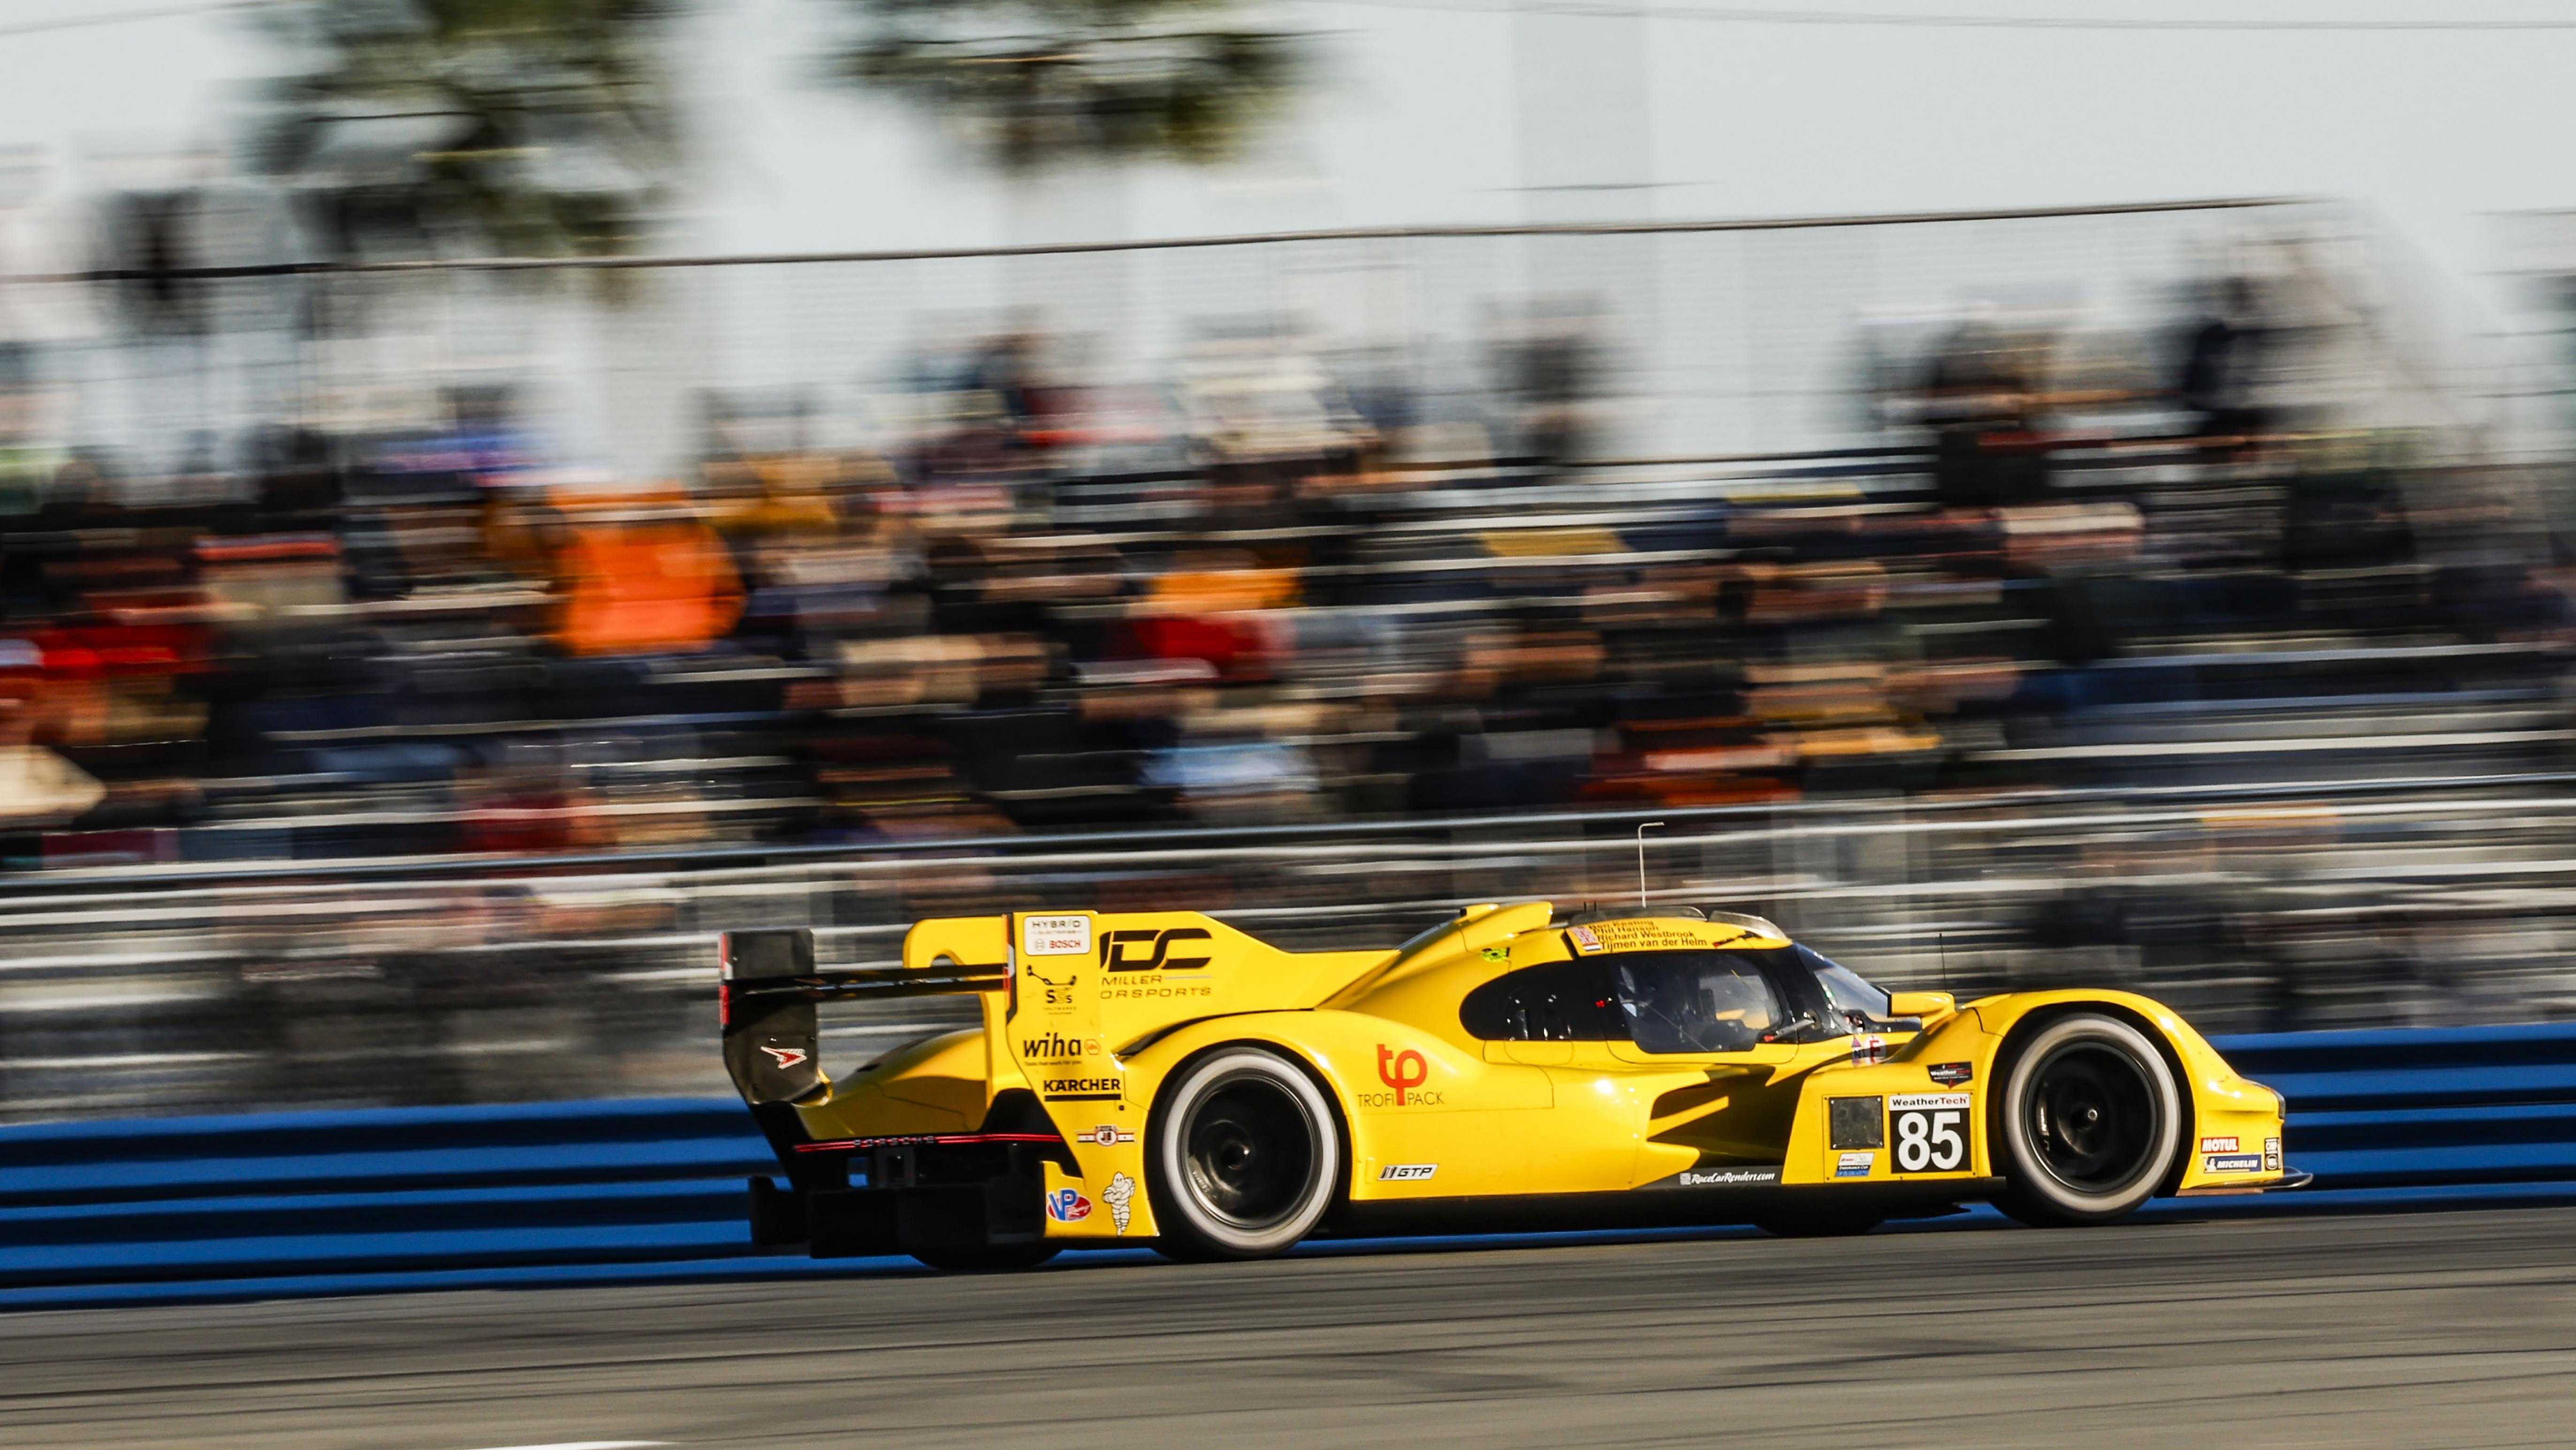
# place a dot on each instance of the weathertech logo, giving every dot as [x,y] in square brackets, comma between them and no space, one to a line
[1055,1046]
[1404,1072]
[788,1056]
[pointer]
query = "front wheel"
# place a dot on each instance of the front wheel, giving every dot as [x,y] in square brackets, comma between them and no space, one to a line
[2088,1125]
[1243,1157]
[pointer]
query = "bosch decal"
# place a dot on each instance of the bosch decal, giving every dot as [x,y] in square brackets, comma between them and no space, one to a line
[1055,936]
[1066,1206]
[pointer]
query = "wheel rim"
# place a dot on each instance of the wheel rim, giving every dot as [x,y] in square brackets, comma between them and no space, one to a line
[2093,1115]
[1248,1151]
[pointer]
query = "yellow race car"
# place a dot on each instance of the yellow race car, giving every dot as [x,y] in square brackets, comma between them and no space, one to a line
[1163,1078]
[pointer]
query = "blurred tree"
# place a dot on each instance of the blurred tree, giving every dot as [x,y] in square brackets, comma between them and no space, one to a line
[482,127]
[1033,84]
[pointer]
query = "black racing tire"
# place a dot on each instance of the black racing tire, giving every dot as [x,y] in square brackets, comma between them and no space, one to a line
[2089,1124]
[1242,1159]
[988,1258]
[1818,1223]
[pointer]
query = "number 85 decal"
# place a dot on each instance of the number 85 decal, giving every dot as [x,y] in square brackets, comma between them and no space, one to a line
[1931,1131]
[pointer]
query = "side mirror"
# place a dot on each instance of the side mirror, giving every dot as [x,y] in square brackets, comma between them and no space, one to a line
[1921,1004]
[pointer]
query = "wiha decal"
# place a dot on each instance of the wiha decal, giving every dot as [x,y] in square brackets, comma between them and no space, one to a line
[1144,950]
[1053,1046]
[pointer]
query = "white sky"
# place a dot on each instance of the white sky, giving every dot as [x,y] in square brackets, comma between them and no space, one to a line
[2434,131]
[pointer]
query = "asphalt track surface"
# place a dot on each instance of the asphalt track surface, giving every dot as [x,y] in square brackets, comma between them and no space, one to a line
[2448,1329]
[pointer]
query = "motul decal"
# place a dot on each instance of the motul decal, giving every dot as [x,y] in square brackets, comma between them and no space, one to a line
[788,1056]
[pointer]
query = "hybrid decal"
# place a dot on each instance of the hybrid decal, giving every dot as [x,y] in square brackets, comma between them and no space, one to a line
[1931,1131]
[1055,936]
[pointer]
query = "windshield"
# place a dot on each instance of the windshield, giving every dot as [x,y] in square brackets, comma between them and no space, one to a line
[1711,1001]
[1851,995]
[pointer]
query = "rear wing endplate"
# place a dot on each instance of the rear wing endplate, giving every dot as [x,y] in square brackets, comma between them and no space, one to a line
[769,986]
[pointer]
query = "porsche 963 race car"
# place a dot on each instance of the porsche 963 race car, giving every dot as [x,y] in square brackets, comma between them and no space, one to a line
[1164,1078]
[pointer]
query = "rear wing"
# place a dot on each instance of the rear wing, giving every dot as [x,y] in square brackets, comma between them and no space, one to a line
[1105,981]
[768,987]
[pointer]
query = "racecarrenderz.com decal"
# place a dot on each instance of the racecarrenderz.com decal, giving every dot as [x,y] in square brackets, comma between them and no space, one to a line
[1931,1131]
[1762,1177]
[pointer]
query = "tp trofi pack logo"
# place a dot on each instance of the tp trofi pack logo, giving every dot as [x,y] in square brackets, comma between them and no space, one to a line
[1403,1071]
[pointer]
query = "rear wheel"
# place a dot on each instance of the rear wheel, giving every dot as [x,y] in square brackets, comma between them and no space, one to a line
[1243,1158]
[2088,1125]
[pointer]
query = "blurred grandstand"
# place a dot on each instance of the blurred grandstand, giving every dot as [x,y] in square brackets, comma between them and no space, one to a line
[2185,613]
